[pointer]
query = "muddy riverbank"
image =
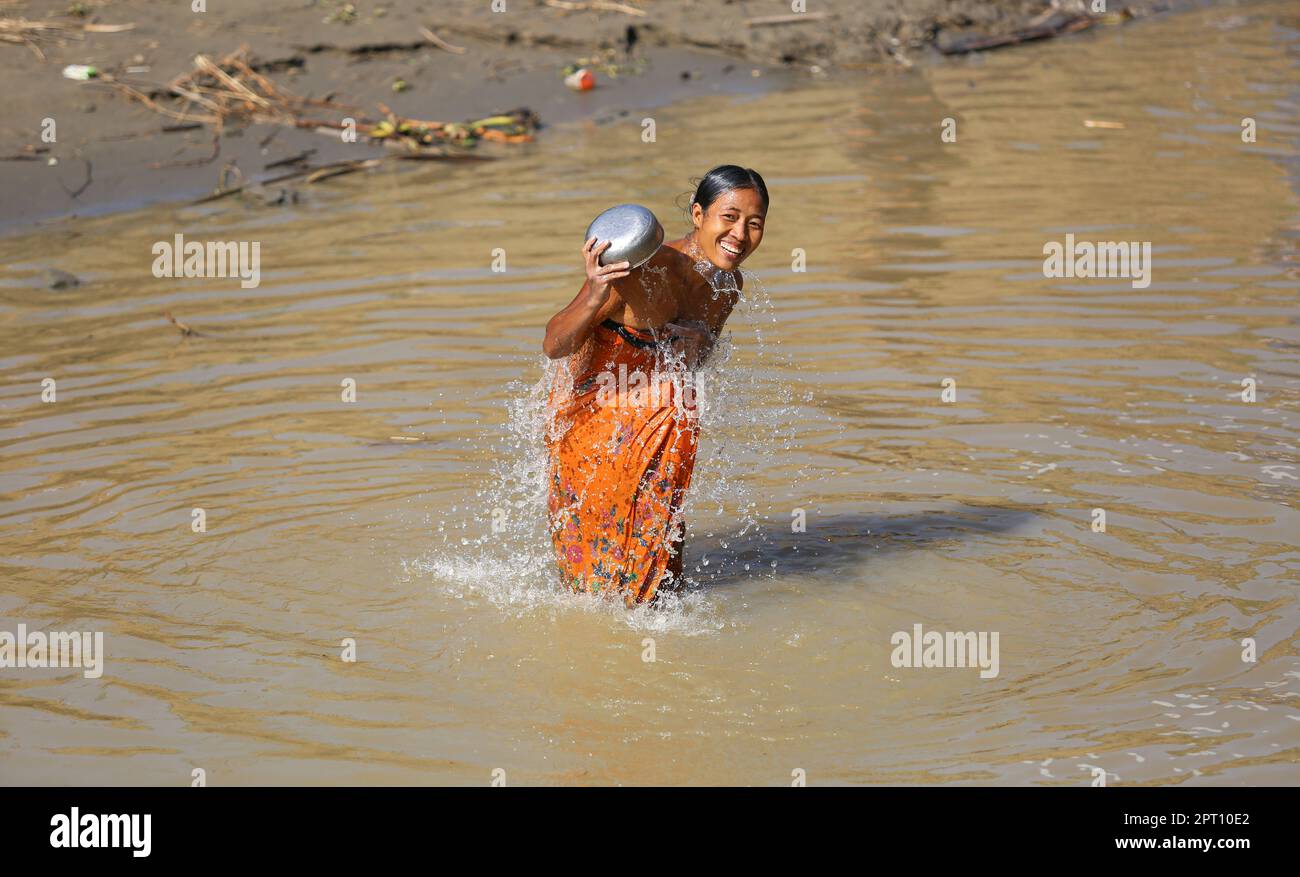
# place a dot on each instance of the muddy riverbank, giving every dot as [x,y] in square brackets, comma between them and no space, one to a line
[81,147]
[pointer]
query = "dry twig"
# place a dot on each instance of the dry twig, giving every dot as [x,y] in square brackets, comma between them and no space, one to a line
[34,34]
[795,18]
[596,5]
[440,42]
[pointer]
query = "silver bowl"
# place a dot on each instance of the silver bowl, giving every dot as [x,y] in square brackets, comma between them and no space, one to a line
[633,232]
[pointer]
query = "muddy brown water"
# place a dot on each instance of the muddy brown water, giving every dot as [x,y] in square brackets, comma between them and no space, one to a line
[1119,650]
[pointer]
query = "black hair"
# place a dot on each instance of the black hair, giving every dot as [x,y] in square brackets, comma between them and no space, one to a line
[723,179]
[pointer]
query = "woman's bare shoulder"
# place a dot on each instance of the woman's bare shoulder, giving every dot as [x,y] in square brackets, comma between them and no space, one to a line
[671,256]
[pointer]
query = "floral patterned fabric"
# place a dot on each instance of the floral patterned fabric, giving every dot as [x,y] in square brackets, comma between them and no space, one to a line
[622,445]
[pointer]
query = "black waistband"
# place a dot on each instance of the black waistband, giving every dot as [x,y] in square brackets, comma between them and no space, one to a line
[628,336]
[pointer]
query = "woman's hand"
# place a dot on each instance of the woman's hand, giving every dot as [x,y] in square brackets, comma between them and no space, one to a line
[599,277]
[570,328]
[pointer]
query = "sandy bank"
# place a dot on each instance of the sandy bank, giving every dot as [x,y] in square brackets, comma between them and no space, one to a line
[110,153]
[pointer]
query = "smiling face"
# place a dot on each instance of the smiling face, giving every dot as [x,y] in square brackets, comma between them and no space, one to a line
[731,228]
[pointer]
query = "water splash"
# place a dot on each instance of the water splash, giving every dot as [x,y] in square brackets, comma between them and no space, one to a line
[743,398]
[751,399]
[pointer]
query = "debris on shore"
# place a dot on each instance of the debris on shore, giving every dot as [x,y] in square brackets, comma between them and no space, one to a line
[1049,23]
[515,126]
[231,90]
[53,32]
[214,93]
[234,91]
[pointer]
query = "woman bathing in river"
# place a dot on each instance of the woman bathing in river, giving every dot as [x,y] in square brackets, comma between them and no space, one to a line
[619,468]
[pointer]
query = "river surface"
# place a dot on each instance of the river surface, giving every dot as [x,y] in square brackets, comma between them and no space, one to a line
[1120,650]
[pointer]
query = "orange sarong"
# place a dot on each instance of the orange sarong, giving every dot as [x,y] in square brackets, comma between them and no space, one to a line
[622,441]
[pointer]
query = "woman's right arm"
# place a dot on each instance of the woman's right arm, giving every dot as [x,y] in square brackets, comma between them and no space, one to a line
[570,328]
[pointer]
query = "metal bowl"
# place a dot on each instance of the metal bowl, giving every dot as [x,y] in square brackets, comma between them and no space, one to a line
[633,232]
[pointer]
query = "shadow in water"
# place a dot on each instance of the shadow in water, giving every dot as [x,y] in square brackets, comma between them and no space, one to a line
[835,543]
